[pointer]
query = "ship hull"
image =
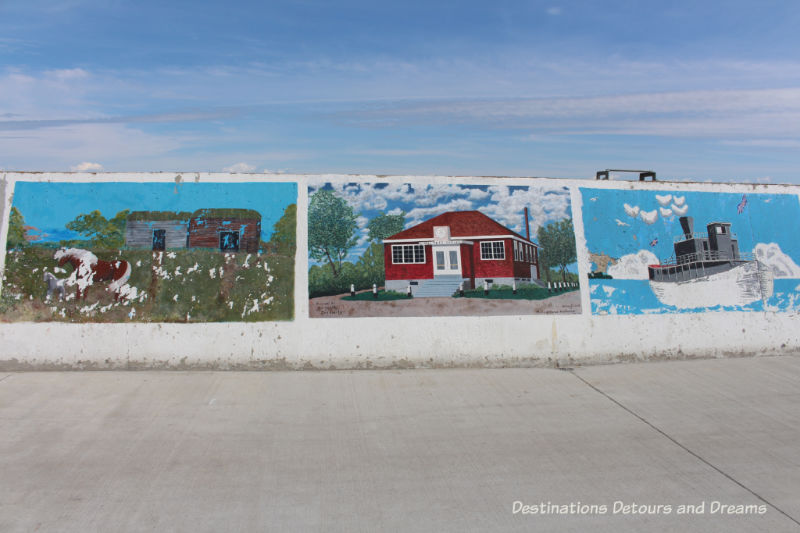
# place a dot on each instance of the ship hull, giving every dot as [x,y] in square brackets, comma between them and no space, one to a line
[741,285]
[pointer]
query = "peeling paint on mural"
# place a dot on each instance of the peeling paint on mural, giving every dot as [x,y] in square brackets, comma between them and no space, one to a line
[691,251]
[150,252]
[388,249]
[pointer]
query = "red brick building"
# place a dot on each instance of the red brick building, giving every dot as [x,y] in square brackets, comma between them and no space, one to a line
[456,247]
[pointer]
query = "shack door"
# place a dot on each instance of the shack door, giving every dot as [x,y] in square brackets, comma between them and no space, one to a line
[159,240]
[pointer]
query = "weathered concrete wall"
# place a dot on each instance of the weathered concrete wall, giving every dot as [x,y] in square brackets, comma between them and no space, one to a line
[253,311]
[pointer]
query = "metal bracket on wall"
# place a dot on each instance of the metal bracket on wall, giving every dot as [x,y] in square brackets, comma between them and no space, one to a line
[643,174]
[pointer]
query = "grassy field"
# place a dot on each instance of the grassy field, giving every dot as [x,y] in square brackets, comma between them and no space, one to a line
[505,292]
[173,286]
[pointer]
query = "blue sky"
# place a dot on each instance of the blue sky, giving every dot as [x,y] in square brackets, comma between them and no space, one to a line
[50,206]
[537,88]
[611,229]
[421,202]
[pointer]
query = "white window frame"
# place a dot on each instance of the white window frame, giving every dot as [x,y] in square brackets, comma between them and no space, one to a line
[492,249]
[402,254]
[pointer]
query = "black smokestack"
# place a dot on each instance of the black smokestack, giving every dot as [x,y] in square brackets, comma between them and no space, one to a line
[687,225]
[527,226]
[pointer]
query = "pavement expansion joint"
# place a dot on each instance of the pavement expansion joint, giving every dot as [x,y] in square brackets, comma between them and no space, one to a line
[684,447]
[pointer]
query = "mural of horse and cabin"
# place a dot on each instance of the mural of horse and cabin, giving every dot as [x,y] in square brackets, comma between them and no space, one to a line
[78,252]
[228,230]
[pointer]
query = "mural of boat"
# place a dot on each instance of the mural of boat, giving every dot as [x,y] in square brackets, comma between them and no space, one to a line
[708,270]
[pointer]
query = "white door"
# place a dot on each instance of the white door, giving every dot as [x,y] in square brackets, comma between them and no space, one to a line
[446,261]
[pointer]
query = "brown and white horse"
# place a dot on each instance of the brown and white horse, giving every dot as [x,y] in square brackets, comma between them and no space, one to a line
[87,269]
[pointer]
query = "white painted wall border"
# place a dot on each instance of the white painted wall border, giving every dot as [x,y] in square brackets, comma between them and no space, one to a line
[530,340]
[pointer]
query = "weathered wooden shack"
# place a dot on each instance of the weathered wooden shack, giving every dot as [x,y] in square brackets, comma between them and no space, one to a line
[157,230]
[227,230]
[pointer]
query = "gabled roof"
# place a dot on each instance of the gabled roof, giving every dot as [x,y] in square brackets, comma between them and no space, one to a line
[463,224]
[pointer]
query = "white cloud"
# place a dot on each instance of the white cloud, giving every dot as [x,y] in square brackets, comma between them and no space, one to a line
[477,194]
[395,211]
[680,211]
[621,223]
[663,201]
[55,148]
[86,166]
[420,214]
[545,205]
[362,221]
[368,196]
[649,217]
[554,11]
[633,266]
[772,256]
[665,213]
[678,200]
[240,168]
[631,211]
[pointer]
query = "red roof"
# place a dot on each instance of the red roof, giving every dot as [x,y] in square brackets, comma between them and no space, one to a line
[462,224]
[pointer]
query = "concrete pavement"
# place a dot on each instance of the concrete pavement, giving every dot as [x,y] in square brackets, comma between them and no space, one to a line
[417,450]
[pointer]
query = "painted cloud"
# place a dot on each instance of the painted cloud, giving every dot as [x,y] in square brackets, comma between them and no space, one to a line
[680,211]
[633,266]
[663,201]
[782,265]
[631,211]
[649,217]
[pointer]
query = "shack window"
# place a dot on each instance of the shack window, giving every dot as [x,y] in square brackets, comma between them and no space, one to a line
[229,241]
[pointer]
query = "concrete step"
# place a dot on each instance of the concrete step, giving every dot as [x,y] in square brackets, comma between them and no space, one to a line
[440,287]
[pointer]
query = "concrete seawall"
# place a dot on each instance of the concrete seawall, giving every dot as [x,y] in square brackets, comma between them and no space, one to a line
[288,305]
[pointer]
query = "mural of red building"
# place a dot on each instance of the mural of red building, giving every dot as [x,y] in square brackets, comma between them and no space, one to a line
[458,247]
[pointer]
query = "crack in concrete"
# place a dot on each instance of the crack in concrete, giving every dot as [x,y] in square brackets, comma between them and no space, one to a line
[684,447]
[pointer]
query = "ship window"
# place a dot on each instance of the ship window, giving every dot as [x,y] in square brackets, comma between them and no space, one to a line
[705,246]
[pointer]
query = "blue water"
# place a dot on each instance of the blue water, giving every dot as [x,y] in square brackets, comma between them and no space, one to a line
[634,297]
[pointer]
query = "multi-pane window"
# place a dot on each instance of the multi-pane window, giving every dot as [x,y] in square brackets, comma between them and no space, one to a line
[408,253]
[493,250]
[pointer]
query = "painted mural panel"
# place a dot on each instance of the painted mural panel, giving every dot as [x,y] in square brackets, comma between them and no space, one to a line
[150,252]
[400,249]
[687,252]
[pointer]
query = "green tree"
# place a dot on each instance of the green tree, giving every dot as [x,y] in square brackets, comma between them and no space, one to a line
[384,226]
[370,265]
[99,232]
[284,235]
[331,229]
[16,230]
[558,246]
